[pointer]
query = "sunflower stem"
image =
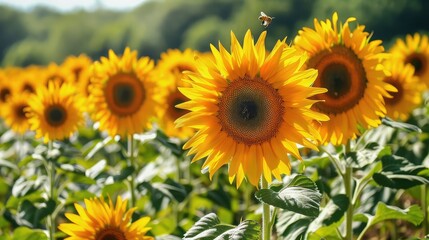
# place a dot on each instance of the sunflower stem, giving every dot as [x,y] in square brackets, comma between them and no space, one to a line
[50,171]
[424,205]
[131,164]
[266,215]
[349,193]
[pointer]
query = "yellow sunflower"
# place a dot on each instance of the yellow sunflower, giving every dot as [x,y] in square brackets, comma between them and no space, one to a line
[54,112]
[58,74]
[79,68]
[250,109]
[105,221]
[28,80]
[409,94]
[170,68]
[415,51]
[349,66]
[123,97]
[14,113]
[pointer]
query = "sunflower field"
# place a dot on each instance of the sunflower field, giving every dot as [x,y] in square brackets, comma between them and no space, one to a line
[216,120]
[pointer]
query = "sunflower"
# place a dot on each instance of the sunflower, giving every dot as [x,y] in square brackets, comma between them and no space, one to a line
[415,51]
[250,109]
[54,112]
[56,73]
[6,88]
[27,80]
[409,94]
[170,68]
[104,221]
[123,97]
[349,66]
[14,113]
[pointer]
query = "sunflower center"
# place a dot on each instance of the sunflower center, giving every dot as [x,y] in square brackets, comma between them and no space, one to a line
[183,67]
[76,71]
[124,94]
[174,99]
[250,110]
[28,88]
[343,74]
[4,94]
[396,96]
[20,111]
[110,233]
[419,61]
[55,115]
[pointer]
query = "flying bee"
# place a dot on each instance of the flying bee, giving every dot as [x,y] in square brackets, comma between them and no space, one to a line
[266,20]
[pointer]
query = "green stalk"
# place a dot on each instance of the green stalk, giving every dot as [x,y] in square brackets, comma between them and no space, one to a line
[131,164]
[266,216]
[424,204]
[349,193]
[50,171]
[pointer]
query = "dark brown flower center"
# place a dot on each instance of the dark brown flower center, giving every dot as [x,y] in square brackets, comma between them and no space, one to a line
[28,88]
[396,96]
[173,100]
[419,61]
[110,233]
[20,111]
[250,110]
[55,115]
[343,74]
[124,94]
[4,94]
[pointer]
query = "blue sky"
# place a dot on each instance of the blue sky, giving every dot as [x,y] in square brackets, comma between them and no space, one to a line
[68,5]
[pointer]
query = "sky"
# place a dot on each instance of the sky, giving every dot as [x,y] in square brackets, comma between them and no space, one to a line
[69,5]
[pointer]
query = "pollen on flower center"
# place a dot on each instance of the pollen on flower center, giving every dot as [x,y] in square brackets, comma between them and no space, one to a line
[250,110]
[343,74]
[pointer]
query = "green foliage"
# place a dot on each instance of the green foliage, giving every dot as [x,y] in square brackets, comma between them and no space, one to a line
[43,35]
[300,196]
[209,227]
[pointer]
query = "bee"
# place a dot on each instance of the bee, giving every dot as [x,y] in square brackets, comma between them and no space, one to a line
[266,20]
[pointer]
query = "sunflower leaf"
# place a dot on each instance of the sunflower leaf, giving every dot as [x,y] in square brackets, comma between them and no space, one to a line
[399,173]
[210,228]
[205,223]
[300,196]
[400,125]
[28,234]
[384,212]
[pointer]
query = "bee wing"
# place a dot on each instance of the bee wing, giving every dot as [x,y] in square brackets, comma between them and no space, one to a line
[263,14]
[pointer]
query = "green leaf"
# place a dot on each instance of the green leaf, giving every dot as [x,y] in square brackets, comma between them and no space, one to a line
[164,140]
[384,212]
[399,173]
[127,171]
[28,234]
[325,225]
[292,225]
[300,196]
[245,230]
[366,155]
[413,214]
[210,228]
[400,125]
[95,170]
[208,221]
